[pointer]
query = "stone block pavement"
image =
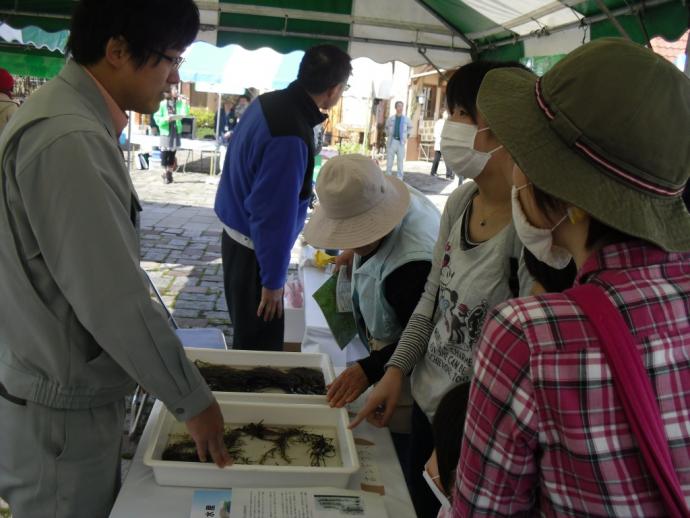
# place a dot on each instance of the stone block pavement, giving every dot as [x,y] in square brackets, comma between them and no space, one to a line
[180,246]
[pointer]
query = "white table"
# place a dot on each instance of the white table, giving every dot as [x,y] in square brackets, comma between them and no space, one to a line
[317,335]
[140,496]
[186,144]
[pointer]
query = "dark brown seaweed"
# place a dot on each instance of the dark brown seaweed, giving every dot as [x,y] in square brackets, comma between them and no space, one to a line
[290,380]
[182,448]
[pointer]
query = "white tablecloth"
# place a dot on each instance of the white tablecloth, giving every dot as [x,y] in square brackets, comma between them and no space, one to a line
[149,141]
[317,335]
[140,496]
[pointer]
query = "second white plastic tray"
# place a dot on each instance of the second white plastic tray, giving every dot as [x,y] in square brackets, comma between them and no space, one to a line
[269,359]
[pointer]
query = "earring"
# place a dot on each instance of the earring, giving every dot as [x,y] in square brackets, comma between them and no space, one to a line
[575,214]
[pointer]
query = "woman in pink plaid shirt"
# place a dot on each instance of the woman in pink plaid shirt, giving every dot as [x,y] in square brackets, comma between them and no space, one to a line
[602,155]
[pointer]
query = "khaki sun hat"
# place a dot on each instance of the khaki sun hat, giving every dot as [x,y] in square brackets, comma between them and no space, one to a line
[607,129]
[358,204]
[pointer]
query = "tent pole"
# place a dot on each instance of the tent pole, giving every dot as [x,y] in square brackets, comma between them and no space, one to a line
[217,153]
[348,39]
[453,28]
[576,25]
[604,9]
[218,117]
[129,141]
[422,51]
[687,58]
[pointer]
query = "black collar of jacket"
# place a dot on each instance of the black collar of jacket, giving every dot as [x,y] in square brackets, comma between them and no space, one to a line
[306,104]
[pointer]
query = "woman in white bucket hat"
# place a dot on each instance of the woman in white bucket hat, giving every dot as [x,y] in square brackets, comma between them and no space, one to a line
[391,229]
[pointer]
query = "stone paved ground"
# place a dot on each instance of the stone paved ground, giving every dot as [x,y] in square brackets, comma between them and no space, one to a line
[180,246]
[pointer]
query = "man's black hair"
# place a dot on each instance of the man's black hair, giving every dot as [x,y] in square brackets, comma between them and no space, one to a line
[323,67]
[463,86]
[398,103]
[149,27]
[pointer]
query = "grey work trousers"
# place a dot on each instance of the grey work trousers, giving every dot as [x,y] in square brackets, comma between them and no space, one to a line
[396,149]
[60,463]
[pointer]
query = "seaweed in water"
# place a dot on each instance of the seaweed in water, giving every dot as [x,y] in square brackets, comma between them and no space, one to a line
[291,380]
[182,447]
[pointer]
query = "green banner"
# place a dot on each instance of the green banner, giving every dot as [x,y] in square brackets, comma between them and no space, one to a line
[29,64]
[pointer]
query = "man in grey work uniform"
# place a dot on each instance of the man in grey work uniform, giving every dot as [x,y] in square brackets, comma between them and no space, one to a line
[77,326]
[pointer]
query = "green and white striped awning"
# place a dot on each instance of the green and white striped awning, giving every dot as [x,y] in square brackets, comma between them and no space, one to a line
[445,32]
[448,32]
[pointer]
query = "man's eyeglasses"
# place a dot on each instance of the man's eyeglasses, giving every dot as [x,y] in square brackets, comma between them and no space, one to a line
[176,62]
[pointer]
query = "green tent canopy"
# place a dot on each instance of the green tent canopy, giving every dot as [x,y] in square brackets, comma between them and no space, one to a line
[444,32]
[27,61]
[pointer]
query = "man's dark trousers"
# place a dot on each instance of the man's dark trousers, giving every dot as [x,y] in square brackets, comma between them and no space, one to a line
[243,295]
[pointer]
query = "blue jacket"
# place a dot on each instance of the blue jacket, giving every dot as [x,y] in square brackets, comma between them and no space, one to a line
[266,182]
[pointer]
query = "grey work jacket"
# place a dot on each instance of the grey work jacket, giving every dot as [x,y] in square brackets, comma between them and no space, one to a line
[77,324]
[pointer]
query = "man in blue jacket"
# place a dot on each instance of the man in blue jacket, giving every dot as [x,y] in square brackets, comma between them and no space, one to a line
[264,192]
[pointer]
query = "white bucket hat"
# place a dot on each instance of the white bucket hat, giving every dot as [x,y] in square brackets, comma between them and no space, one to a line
[358,204]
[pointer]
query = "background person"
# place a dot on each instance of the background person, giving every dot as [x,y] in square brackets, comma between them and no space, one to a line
[264,191]
[398,129]
[230,115]
[169,123]
[438,130]
[227,121]
[546,427]
[82,329]
[7,105]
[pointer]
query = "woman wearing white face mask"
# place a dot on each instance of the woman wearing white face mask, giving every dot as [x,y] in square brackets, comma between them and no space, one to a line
[579,403]
[475,266]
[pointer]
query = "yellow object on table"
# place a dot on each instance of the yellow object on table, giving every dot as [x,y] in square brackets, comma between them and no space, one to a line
[322,259]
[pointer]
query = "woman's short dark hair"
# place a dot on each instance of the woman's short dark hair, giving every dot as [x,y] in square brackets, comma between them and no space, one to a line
[323,67]
[148,26]
[449,421]
[463,86]
[598,234]
[553,280]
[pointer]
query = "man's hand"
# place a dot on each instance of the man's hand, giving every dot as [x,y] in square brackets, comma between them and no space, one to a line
[271,305]
[345,259]
[348,386]
[206,429]
[382,401]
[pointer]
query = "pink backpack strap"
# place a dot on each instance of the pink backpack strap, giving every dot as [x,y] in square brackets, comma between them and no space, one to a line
[634,388]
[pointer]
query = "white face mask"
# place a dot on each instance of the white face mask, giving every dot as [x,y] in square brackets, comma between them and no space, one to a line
[445,503]
[539,241]
[457,148]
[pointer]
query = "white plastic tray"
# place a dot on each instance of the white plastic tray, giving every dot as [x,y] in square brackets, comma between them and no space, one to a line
[195,474]
[269,359]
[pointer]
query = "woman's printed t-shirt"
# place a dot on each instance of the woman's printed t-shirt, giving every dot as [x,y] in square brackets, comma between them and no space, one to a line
[469,281]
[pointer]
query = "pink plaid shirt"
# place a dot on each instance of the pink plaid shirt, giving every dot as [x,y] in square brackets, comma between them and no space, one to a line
[545,432]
